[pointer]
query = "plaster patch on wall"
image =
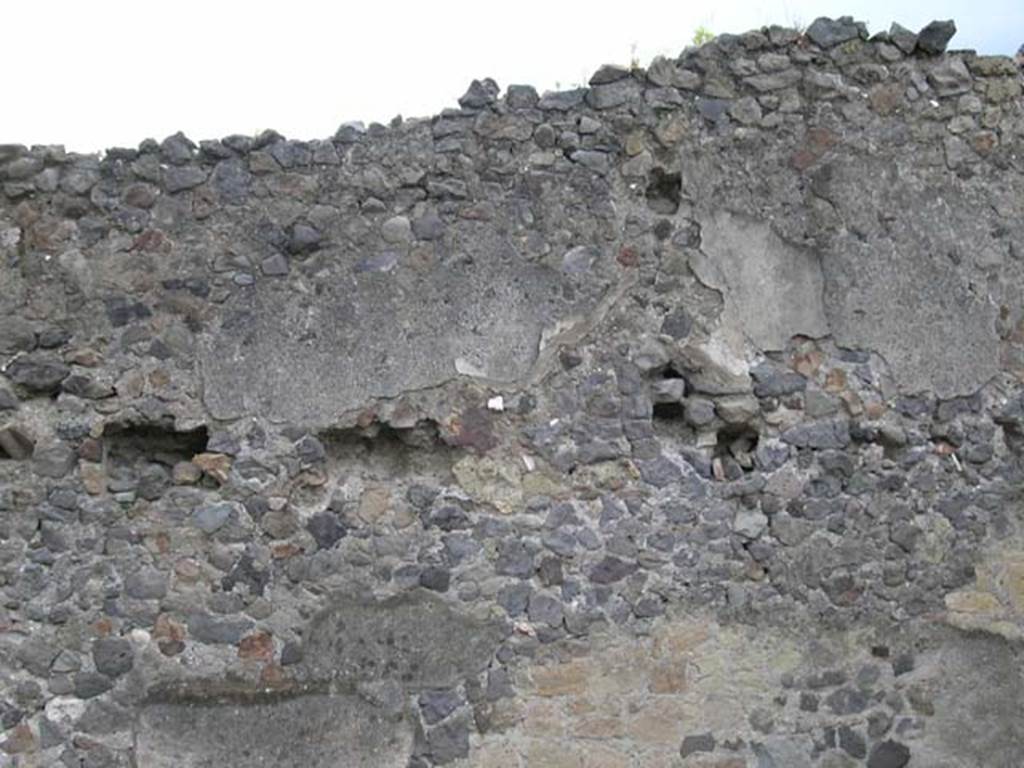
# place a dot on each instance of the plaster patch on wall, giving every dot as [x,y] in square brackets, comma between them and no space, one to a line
[772,289]
[308,730]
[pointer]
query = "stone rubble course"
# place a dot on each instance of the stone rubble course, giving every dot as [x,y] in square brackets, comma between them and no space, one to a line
[672,420]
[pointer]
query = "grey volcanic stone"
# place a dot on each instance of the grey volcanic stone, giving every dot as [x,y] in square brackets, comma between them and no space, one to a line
[611,569]
[834,433]
[562,101]
[210,629]
[8,402]
[435,578]
[36,655]
[177,149]
[902,38]
[521,97]
[88,685]
[304,239]
[146,584]
[113,656]
[613,94]
[703,742]
[437,705]
[481,93]
[428,227]
[178,179]
[545,609]
[209,518]
[830,32]
[275,265]
[678,324]
[773,381]
[846,701]
[935,36]
[38,373]
[449,741]
[231,179]
[609,73]
[16,335]
[55,461]
[326,529]
[660,472]
[852,742]
[889,754]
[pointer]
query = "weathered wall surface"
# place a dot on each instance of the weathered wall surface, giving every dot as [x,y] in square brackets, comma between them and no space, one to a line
[676,420]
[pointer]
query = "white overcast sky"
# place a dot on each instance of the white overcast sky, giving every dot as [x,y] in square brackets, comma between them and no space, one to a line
[92,74]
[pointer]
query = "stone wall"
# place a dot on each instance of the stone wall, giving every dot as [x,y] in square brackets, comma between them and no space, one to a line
[675,420]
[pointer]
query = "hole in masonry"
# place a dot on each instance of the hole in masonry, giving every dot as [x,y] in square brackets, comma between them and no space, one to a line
[668,411]
[669,372]
[664,191]
[734,450]
[128,445]
[382,451]
[139,458]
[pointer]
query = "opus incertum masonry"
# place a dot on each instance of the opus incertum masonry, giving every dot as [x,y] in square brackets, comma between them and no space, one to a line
[672,421]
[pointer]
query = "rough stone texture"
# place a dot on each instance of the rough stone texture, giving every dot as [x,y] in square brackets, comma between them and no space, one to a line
[676,420]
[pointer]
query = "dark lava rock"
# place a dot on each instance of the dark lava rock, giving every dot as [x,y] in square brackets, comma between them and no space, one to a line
[91,684]
[326,529]
[480,94]
[701,742]
[435,578]
[113,656]
[889,754]
[831,32]
[610,570]
[934,38]
[437,705]
[38,373]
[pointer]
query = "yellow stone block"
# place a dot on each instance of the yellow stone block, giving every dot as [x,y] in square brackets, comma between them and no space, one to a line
[492,755]
[607,757]
[373,505]
[565,679]
[554,754]
[1013,581]
[543,717]
[659,721]
[506,714]
[668,676]
[675,640]
[94,479]
[498,483]
[599,727]
[969,601]
[635,143]
[216,465]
